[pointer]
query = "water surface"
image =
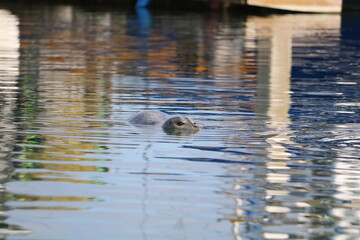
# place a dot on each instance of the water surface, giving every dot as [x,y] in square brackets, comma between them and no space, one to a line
[277,96]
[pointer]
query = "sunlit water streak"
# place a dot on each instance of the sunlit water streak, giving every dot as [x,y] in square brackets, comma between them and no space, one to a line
[277,97]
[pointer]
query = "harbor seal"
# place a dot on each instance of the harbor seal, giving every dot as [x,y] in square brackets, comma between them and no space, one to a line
[177,125]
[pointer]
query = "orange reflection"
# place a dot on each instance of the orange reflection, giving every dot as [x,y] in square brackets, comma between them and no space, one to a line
[54,177]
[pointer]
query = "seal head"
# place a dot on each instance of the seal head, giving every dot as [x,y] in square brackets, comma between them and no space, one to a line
[180,126]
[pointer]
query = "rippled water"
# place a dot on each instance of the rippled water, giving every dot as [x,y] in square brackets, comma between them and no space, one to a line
[277,96]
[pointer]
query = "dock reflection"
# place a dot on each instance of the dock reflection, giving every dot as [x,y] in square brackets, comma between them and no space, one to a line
[276,36]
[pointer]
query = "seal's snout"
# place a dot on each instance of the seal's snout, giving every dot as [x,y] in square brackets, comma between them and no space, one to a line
[192,123]
[196,126]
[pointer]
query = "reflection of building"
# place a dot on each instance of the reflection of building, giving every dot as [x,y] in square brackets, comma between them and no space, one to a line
[50,75]
[62,69]
[9,67]
[276,36]
[9,71]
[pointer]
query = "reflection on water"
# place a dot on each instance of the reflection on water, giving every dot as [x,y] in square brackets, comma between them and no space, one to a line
[9,73]
[276,95]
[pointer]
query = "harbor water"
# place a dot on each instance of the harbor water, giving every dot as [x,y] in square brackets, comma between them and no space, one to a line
[277,97]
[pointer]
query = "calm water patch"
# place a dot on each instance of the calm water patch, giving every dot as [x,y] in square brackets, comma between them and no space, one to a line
[277,97]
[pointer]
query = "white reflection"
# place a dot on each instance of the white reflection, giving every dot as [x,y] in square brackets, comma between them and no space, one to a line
[9,73]
[9,52]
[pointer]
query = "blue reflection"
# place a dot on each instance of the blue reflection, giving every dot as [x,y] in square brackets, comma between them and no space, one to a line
[144,17]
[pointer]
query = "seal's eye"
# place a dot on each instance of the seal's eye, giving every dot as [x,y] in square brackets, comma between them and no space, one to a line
[180,123]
